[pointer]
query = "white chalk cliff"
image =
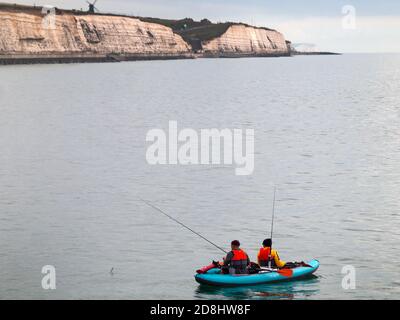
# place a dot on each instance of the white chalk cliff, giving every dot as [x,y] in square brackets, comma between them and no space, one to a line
[27,32]
[245,39]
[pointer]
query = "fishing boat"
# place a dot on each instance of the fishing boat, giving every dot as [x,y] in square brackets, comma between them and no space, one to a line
[215,277]
[212,274]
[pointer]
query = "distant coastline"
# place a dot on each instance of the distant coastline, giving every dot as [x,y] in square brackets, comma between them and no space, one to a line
[316,53]
[33,34]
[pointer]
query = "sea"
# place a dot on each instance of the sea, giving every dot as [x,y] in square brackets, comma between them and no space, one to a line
[73,171]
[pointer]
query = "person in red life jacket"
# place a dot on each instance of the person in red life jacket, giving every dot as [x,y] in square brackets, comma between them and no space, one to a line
[236,261]
[266,255]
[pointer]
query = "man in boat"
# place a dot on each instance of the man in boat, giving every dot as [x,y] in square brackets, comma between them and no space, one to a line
[236,261]
[269,258]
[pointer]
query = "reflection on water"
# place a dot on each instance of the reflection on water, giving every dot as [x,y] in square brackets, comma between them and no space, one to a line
[297,289]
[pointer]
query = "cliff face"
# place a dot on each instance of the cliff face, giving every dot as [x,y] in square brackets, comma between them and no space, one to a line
[26,33]
[246,40]
[28,36]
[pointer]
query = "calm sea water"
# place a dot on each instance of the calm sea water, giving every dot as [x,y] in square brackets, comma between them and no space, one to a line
[72,167]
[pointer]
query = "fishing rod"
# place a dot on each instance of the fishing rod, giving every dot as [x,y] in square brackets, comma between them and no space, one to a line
[273,213]
[272,228]
[180,223]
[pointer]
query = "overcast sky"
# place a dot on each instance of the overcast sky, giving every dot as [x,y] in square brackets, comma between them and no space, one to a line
[374,28]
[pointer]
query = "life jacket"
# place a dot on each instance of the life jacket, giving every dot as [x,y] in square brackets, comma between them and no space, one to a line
[264,256]
[239,260]
[239,255]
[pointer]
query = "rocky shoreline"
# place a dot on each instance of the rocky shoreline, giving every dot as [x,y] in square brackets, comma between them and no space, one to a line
[71,58]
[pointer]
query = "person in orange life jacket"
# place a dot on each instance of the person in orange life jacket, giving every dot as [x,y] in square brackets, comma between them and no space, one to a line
[236,261]
[265,255]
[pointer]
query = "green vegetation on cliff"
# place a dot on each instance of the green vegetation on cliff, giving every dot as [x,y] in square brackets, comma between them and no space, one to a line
[196,32]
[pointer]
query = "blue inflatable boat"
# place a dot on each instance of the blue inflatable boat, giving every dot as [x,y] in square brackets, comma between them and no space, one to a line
[214,276]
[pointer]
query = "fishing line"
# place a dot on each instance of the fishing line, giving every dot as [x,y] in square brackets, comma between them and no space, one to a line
[183,225]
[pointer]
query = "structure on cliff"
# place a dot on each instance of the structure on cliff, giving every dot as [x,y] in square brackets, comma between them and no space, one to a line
[92,6]
[32,34]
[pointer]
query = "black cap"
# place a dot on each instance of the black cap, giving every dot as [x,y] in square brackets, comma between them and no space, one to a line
[235,243]
[267,242]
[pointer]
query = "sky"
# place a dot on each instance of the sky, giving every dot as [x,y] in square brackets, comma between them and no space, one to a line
[331,25]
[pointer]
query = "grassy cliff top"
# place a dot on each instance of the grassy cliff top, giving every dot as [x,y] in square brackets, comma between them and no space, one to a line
[203,30]
[189,29]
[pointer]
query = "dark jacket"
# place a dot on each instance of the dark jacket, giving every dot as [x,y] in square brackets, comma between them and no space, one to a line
[237,261]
